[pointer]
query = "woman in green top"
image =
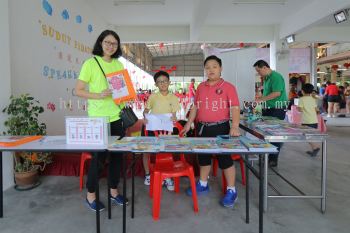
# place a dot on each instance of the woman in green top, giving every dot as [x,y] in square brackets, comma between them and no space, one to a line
[100,103]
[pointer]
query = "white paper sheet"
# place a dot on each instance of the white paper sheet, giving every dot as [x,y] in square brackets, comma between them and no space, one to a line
[159,122]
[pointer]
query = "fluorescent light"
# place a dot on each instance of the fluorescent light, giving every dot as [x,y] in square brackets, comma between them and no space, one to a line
[290,39]
[138,2]
[279,2]
[341,16]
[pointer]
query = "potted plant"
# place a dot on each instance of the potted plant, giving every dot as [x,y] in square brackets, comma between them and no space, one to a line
[23,112]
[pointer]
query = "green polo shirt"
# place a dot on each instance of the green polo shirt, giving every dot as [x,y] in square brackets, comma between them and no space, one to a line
[275,83]
[91,74]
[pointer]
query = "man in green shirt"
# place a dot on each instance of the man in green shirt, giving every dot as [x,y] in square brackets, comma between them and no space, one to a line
[274,97]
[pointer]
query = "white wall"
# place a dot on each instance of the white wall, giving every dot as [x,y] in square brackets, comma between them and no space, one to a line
[5,87]
[238,69]
[37,55]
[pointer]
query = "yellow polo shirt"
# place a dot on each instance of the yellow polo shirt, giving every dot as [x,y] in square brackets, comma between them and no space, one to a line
[160,104]
[308,106]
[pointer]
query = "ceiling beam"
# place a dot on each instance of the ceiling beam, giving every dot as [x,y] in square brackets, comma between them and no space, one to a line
[237,34]
[325,35]
[310,15]
[142,34]
[200,12]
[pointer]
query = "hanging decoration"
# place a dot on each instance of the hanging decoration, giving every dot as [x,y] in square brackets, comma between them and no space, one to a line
[346,65]
[335,67]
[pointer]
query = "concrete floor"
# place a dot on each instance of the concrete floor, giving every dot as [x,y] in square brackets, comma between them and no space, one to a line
[57,205]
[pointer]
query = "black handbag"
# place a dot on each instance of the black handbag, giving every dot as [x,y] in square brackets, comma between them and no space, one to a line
[126,114]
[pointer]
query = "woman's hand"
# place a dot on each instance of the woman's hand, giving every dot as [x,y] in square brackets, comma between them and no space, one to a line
[234,132]
[105,93]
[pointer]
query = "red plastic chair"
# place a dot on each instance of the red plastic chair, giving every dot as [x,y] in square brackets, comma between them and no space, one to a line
[223,178]
[165,167]
[83,158]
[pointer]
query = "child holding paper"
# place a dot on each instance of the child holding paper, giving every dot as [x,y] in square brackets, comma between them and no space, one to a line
[161,102]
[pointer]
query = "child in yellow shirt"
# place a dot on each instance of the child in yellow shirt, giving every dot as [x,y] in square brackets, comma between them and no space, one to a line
[308,106]
[160,103]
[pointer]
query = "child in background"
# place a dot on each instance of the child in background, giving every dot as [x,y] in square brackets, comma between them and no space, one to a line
[307,105]
[161,102]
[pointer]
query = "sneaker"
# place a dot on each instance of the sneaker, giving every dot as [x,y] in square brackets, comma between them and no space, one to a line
[93,205]
[313,153]
[229,199]
[329,115]
[169,183]
[147,180]
[118,200]
[199,188]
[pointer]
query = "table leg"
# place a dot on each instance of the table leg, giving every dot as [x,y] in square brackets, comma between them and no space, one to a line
[97,191]
[109,195]
[246,189]
[266,159]
[1,187]
[261,194]
[324,176]
[133,186]
[124,191]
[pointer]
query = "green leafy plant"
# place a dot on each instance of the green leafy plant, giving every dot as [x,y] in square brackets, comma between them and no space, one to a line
[23,112]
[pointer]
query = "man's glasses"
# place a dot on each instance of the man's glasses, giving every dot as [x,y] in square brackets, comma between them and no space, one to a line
[111,44]
[162,82]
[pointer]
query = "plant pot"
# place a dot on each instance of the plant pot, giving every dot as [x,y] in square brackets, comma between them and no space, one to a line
[29,178]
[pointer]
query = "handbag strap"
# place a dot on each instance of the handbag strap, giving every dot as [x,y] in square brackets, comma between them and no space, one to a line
[118,105]
[100,67]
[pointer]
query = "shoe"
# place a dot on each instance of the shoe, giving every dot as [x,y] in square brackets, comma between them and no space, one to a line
[229,199]
[329,115]
[147,180]
[92,206]
[199,189]
[169,183]
[313,153]
[118,200]
[273,163]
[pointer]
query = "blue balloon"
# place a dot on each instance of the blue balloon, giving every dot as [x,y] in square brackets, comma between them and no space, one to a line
[78,19]
[65,14]
[89,28]
[47,7]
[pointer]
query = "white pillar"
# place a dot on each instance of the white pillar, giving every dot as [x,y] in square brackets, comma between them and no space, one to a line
[5,87]
[313,73]
[279,54]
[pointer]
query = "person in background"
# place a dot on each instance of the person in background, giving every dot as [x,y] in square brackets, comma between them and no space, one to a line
[347,97]
[332,94]
[162,102]
[274,96]
[212,121]
[191,91]
[106,52]
[308,107]
[292,93]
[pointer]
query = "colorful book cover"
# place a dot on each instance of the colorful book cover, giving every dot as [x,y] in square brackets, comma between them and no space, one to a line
[256,145]
[179,145]
[231,145]
[123,145]
[204,145]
